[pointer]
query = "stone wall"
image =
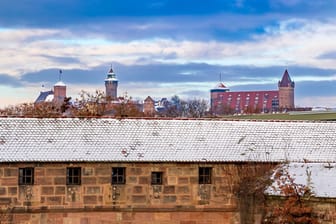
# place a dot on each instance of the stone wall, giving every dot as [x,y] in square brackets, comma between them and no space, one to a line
[180,199]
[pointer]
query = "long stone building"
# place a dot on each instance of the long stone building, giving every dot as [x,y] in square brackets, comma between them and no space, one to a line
[148,171]
[224,101]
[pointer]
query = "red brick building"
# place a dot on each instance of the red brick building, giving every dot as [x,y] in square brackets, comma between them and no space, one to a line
[223,101]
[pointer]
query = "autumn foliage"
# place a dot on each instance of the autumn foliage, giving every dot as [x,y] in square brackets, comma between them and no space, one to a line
[293,206]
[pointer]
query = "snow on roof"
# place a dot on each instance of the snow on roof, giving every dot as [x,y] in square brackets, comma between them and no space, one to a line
[45,96]
[59,83]
[319,177]
[144,140]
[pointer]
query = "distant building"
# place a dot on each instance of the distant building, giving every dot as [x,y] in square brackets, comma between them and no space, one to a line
[223,101]
[149,107]
[56,95]
[111,85]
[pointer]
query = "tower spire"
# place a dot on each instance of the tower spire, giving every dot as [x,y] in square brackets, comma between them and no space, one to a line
[60,75]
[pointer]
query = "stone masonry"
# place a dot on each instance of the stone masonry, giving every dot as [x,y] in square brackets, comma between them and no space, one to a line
[179,199]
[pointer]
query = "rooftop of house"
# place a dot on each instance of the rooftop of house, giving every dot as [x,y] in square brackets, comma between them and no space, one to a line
[45,96]
[151,140]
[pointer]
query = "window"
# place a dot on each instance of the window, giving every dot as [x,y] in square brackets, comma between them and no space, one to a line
[118,175]
[73,176]
[156,178]
[26,176]
[204,175]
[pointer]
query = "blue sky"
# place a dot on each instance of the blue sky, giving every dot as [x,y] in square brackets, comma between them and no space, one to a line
[163,48]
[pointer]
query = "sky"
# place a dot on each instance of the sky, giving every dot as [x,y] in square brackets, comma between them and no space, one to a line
[162,48]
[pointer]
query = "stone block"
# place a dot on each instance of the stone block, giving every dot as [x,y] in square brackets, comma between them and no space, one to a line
[93,190]
[144,180]
[12,190]
[56,171]
[184,198]
[103,171]
[172,180]
[132,180]
[104,180]
[59,180]
[162,216]
[183,180]
[10,172]
[89,180]
[90,199]
[175,171]
[43,181]
[88,171]
[183,189]
[47,190]
[10,181]
[39,171]
[3,191]
[5,200]
[135,171]
[169,189]
[55,200]
[193,180]
[137,190]
[139,199]
[59,190]
[169,199]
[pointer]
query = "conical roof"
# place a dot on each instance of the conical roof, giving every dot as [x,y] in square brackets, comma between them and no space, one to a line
[286,80]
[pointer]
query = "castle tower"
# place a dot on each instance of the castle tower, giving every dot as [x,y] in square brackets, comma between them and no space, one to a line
[149,107]
[59,91]
[286,92]
[111,85]
[216,97]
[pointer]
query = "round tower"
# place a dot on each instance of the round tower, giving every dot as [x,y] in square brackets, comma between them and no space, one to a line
[286,92]
[111,85]
[216,97]
[59,91]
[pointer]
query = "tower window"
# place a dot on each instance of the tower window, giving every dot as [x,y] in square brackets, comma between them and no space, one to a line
[118,175]
[73,176]
[26,176]
[157,178]
[204,175]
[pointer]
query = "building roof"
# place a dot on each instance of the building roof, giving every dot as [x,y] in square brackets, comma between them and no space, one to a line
[60,83]
[286,80]
[45,96]
[319,177]
[220,86]
[111,76]
[148,98]
[142,140]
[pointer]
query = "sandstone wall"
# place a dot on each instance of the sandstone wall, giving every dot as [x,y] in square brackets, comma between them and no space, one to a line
[180,199]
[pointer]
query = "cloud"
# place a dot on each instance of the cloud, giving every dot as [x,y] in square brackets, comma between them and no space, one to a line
[328,55]
[10,81]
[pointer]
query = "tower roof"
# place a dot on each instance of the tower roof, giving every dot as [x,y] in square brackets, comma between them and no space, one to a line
[220,87]
[111,76]
[286,80]
[60,83]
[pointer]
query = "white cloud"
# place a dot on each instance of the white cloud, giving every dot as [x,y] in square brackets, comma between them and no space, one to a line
[294,41]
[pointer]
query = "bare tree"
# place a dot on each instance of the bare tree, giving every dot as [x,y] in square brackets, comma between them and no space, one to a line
[42,109]
[126,107]
[197,108]
[89,104]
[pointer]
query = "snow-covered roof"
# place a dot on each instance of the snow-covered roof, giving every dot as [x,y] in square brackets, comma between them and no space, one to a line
[45,96]
[319,177]
[144,140]
[59,83]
